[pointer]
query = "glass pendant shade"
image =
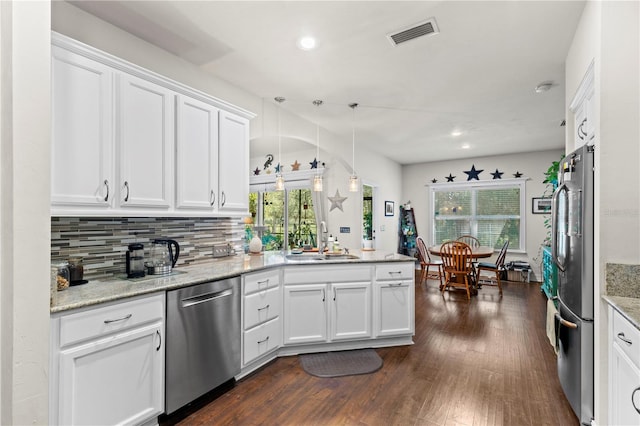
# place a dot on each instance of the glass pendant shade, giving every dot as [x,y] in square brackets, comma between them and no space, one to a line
[279,177]
[354,183]
[317,183]
[279,182]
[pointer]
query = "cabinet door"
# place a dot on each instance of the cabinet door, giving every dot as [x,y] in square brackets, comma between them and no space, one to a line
[115,380]
[82,158]
[625,379]
[146,144]
[305,313]
[234,163]
[395,313]
[196,155]
[350,310]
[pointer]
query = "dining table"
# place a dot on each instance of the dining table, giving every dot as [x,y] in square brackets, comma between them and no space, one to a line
[477,253]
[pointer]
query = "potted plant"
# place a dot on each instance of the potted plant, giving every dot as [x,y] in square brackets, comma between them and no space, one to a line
[367,230]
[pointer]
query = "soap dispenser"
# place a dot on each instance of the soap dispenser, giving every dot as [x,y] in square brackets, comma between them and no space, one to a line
[330,243]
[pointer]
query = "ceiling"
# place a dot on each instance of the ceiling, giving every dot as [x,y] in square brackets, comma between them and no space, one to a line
[476,75]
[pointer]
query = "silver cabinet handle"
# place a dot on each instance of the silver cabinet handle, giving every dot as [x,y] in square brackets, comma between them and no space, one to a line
[126,185]
[159,337]
[224,198]
[263,340]
[213,197]
[622,337]
[263,308]
[323,295]
[263,282]
[334,294]
[395,272]
[106,183]
[632,401]
[126,317]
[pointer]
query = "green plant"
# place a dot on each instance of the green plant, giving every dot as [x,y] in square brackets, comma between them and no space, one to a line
[551,181]
[367,226]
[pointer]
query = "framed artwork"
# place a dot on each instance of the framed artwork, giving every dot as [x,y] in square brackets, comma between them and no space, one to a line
[388,208]
[540,205]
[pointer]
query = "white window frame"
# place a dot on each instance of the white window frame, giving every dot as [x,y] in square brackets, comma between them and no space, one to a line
[479,185]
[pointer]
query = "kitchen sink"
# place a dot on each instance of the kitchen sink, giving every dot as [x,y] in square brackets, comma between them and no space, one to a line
[320,257]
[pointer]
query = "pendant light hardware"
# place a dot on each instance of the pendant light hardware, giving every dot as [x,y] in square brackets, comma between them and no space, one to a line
[317,180]
[279,177]
[354,184]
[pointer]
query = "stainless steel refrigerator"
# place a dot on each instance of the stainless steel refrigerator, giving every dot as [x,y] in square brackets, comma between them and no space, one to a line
[572,250]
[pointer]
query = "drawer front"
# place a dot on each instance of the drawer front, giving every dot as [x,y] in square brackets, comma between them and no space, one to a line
[262,339]
[312,274]
[110,319]
[262,306]
[259,281]
[627,337]
[395,271]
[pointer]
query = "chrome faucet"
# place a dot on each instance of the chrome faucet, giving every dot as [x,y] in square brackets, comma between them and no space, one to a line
[323,237]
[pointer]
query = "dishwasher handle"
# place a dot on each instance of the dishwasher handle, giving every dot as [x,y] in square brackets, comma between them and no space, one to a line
[207,297]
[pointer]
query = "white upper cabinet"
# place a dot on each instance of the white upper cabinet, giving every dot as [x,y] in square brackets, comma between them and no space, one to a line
[129,142]
[145,141]
[582,107]
[82,132]
[196,155]
[234,163]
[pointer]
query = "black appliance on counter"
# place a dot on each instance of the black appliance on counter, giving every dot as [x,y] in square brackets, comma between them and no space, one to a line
[572,252]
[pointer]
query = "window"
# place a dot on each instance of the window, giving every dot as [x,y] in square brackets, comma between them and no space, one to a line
[491,212]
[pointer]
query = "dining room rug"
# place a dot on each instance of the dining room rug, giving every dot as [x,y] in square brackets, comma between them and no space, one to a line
[341,363]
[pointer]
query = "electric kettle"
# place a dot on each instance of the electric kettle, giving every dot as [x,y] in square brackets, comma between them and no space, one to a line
[163,256]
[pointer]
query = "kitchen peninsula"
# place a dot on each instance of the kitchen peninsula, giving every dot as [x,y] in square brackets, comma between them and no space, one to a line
[117,329]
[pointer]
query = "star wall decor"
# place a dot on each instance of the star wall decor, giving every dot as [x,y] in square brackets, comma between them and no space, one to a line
[473,173]
[314,163]
[517,174]
[256,172]
[434,180]
[497,174]
[336,201]
[278,168]
[295,166]
[450,178]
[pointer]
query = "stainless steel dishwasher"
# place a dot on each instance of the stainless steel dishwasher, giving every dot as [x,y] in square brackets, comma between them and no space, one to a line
[203,340]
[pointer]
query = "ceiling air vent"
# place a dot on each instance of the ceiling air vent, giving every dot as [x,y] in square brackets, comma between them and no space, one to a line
[427,27]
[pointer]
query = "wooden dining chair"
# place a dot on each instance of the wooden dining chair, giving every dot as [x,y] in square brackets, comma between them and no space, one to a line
[426,262]
[457,257]
[496,268]
[469,240]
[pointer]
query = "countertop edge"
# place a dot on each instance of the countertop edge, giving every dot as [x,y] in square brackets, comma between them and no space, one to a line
[98,292]
[628,307]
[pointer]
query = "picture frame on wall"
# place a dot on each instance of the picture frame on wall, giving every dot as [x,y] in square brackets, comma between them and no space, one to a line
[389,208]
[541,205]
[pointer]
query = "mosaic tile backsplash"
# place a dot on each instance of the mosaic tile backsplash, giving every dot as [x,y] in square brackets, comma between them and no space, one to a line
[102,242]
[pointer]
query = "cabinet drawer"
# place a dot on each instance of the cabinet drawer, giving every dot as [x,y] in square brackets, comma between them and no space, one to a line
[625,332]
[110,319]
[261,280]
[261,306]
[262,339]
[305,274]
[395,271]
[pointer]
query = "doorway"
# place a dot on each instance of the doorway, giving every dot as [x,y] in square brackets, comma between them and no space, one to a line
[368,217]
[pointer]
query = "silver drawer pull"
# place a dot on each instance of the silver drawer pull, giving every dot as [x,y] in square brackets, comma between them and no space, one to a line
[118,319]
[622,337]
[263,308]
[263,282]
[395,272]
[264,340]
[395,285]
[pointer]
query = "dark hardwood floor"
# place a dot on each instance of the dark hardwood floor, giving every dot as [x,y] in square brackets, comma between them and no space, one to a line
[481,362]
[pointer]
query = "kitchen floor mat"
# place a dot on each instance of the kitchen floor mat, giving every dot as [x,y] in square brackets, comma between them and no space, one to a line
[341,363]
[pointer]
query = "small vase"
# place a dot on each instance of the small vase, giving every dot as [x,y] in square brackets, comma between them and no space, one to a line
[255,245]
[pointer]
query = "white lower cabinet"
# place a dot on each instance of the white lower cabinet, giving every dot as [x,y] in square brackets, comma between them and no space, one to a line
[107,364]
[394,300]
[624,371]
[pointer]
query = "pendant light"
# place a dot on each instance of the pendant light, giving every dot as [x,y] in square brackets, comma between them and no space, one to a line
[279,177]
[354,184]
[317,179]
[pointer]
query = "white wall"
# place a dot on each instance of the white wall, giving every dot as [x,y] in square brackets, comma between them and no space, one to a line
[532,165]
[24,212]
[608,34]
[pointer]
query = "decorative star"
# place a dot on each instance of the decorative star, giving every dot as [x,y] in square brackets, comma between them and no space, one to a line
[473,173]
[517,174]
[450,178]
[256,172]
[278,168]
[314,163]
[434,180]
[336,201]
[497,174]
[295,166]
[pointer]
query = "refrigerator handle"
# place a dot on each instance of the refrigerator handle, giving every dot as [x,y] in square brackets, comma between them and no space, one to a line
[566,323]
[554,225]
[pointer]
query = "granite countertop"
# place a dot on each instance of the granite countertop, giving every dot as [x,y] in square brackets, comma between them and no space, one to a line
[101,291]
[629,307]
[623,290]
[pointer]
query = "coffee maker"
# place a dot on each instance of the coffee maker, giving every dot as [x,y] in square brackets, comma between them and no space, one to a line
[135,260]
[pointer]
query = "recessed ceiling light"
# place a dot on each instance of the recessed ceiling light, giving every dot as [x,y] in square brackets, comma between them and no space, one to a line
[466,146]
[307,43]
[456,133]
